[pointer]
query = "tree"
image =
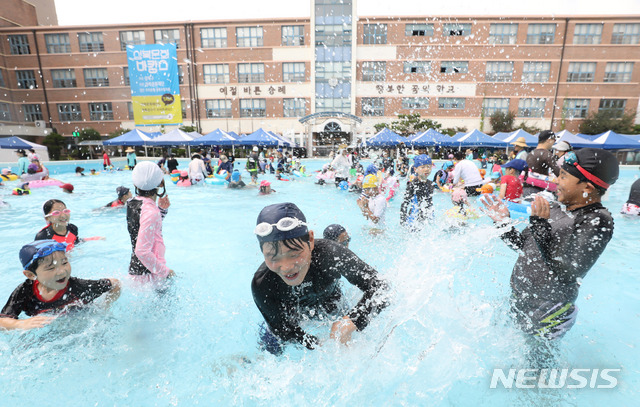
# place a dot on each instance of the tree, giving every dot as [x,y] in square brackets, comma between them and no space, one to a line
[408,124]
[600,122]
[89,134]
[188,129]
[529,129]
[55,143]
[452,131]
[502,122]
[118,132]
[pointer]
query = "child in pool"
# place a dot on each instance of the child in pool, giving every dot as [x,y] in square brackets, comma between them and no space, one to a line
[124,194]
[372,203]
[461,209]
[265,188]
[50,288]
[22,189]
[58,227]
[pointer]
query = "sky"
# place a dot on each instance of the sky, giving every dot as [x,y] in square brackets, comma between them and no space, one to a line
[75,12]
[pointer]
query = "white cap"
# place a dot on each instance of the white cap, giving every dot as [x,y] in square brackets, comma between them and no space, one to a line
[147,176]
[562,146]
[255,148]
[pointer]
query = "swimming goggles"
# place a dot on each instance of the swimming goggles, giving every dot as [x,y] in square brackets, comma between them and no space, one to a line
[572,159]
[45,251]
[58,213]
[284,225]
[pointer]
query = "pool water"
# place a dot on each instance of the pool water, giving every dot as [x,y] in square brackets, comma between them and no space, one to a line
[437,344]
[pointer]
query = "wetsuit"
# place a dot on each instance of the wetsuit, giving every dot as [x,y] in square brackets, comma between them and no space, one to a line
[145,230]
[284,307]
[554,255]
[539,161]
[172,165]
[115,204]
[71,238]
[417,205]
[632,206]
[228,166]
[26,297]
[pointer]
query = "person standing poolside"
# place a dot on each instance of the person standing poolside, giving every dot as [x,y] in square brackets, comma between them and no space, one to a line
[23,162]
[144,222]
[467,175]
[417,205]
[560,245]
[300,279]
[542,166]
[131,158]
[632,206]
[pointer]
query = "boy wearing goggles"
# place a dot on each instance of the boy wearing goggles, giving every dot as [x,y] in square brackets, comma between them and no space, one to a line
[561,244]
[50,288]
[300,278]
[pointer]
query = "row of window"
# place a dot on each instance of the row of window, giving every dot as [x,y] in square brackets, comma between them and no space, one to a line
[528,107]
[292,35]
[502,71]
[507,33]
[66,112]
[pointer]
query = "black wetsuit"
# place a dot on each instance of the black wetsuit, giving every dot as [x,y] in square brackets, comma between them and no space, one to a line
[71,238]
[418,193]
[26,297]
[284,307]
[554,255]
[634,193]
[172,165]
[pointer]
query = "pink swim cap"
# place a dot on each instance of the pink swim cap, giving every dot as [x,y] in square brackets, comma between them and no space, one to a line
[459,195]
[265,183]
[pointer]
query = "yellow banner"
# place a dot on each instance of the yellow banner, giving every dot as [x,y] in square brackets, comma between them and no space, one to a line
[165,109]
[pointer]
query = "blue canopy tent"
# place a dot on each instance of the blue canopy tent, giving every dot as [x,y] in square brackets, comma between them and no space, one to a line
[283,138]
[217,137]
[474,138]
[233,134]
[262,138]
[132,138]
[509,138]
[175,137]
[14,143]
[384,138]
[575,140]
[611,140]
[428,138]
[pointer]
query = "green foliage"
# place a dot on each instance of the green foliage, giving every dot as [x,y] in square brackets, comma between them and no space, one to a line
[55,143]
[188,129]
[501,121]
[118,132]
[635,129]
[600,122]
[529,129]
[381,126]
[89,134]
[408,124]
[452,131]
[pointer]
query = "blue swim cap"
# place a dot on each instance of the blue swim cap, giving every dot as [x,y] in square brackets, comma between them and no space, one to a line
[447,164]
[421,160]
[235,176]
[371,169]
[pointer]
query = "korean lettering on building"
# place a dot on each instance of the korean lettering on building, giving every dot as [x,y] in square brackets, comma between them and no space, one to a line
[257,90]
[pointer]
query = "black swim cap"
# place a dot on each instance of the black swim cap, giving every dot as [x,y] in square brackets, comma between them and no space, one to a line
[332,232]
[546,135]
[273,213]
[600,163]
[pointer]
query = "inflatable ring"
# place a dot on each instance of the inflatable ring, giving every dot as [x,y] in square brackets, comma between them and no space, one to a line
[518,210]
[45,183]
[10,177]
[222,175]
[216,181]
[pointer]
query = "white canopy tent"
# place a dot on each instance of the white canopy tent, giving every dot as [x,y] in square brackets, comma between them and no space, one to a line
[8,156]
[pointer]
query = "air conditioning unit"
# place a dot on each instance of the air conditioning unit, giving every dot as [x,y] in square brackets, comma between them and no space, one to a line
[41,124]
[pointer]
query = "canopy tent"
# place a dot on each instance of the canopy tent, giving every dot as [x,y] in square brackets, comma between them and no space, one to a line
[194,134]
[475,138]
[262,138]
[509,138]
[635,137]
[428,138]
[217,137]
[283,138]
[611,140]
[132,138]
[7,155]
[233,134]
[575,140]
[175,137]
[384,138]
[14,143]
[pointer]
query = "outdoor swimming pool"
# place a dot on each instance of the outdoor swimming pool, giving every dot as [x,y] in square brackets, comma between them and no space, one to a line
[437,344]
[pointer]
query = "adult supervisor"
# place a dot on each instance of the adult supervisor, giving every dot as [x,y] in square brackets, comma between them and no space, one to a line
[559,246]
[300,279]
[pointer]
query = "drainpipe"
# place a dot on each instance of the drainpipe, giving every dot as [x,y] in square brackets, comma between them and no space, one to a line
[44,87]
[555,97]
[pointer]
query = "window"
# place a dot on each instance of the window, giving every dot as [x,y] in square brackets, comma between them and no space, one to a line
[455,29]
[90,42]
[581,71]
[2,84]
[248,73]
[293,72]
[100,111]
[503,33]
[26,80]
[130,110]
[587,34]
[451,103]
[541,33]
[95,77]
[417,67]
[216,73]
[69,112]
[531,107]
[213,37]
[373,106]
[218,108]
[63,78]
[454,67]
[57,43]
[183,107]
[374,34]
[180,75]
[126,80]
[415,103]
[374,71]
[418,30]
[536,72]
[615,107]
[19,45]
[292,35]
[249,37]
[253,107]
[333,35]
[499,71]
[575,108]
[131,38]
[625,34]
[618,72]
[171,36]
[493,105]
[294,107]
[32,113]
[5,112]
